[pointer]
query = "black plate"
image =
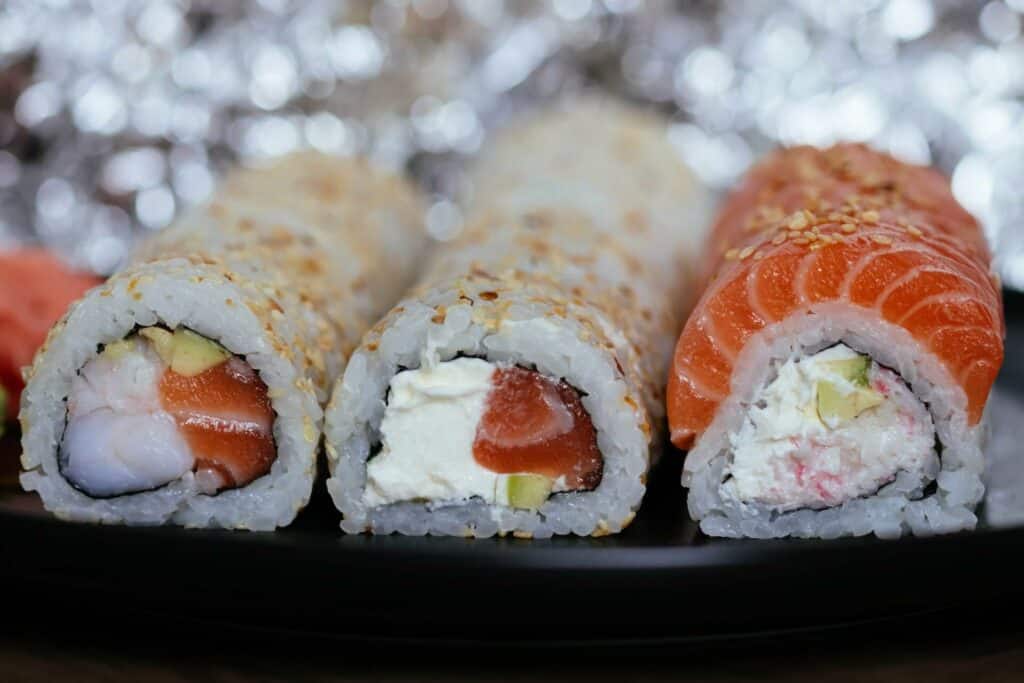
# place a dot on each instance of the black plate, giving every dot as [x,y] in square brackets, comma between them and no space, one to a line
[659,581]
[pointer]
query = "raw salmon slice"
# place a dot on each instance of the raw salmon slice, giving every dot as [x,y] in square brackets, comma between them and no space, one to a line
[535,424]
[35,291]
[845,226]
[226,417]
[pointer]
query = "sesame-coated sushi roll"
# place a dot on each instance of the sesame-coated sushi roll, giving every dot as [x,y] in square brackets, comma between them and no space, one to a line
[518,388]
[832,379]
[189,388]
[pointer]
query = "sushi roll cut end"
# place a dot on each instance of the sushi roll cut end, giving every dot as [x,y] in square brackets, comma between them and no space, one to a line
[469,428]
[158,405]
[829,427]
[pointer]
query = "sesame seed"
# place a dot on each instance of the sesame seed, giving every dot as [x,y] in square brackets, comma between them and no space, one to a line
[882,239]
[816,246]
[810,235]
[747,251]
[870,216]
[798,221]
[779,239]
[732,254]
[914,231]
[848,227]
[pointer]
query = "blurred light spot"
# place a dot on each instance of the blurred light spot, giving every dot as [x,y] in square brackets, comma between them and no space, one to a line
[193,182]
[430,9]
[990,125]
[707,71]
[973,183]
[131,63]
[270,137]
[622,6]
[326,132]
[191,69]
[515,58]
[155,207]
[943,81]
[989,71]
[859,113]
[54,198]
[159,23]
[355,53]
[572,10]
[104,253]
[10,169]
[780,46]
[485,12]
[274,77]
[99,109]
[190,119]
[908,19]
[809,121]
[151,116]
[444,220]
[133,170]
[906,141]
[718,161]
[999,23]
[37,103]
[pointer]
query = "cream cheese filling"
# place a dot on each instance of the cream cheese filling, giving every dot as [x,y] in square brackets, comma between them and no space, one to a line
[427,436]
[828,428]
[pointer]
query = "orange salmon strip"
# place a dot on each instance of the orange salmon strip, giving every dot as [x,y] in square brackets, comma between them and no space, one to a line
[538,425]
[226,418]
[845,225]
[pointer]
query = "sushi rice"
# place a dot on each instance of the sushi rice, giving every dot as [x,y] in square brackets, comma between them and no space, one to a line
[568,267]
[284,268]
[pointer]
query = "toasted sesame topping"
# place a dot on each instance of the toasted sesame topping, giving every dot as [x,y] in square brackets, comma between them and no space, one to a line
[747,251]
[779,239]
[870,216]
[881,239]
[914,231]
[798,221]
[732,254]
[848,227]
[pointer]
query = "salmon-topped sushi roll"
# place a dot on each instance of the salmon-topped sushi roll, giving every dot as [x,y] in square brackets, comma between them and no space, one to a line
[517,389]
[189,388]
[833,377]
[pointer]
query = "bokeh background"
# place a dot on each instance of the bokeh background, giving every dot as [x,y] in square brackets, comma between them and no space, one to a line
[116,115]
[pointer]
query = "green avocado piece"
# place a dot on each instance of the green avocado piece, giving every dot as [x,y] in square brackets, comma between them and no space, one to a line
[117,350]
[853,370]
[835,407]
[189,354]
[529,491]
[194,354]
[162,342]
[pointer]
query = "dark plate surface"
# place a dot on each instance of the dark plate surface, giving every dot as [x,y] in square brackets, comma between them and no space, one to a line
[660,581]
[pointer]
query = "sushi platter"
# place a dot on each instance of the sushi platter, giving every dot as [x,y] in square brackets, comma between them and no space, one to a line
[659,581]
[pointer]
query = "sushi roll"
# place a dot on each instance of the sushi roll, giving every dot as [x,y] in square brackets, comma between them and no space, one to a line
[188,389]
[518,388]
[833,377]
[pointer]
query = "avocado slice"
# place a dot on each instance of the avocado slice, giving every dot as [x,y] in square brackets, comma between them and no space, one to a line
[117,350]
[529,491]
[162,342]
[853,370]
[836,407]
[189,354]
